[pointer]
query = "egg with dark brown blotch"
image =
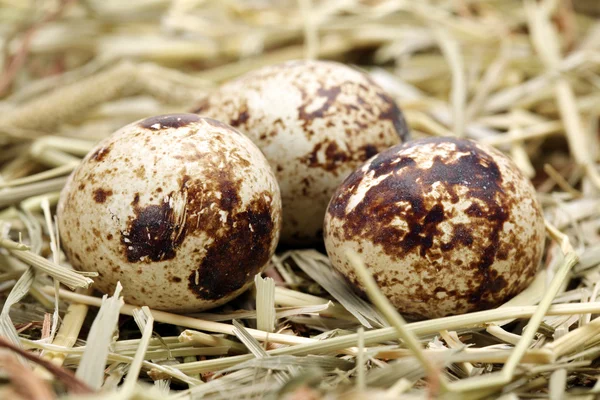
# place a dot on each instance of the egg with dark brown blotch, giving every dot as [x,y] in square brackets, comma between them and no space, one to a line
[182,210]
[446,226]
[315,121]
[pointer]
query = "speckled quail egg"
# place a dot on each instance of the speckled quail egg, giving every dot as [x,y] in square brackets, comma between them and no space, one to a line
[315,122]
[446,226]
[182,210]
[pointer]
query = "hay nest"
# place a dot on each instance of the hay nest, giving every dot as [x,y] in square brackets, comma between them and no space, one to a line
[523,76]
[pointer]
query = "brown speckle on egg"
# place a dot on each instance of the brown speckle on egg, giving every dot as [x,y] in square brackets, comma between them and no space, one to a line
[193,233]
[100,153]
[315,122]
[446,226]
[100,195]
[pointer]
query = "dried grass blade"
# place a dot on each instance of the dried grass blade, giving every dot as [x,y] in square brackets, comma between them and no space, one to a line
[488,82]
[574,339]
[55,249]
[163,387]
[280,312]
[254,348]
[245,383]
[145,322]
[283,362]
[558,383]
[360,361]
[63,275]
[458,95]
[311,34]
[265,303]
[91,368]
[293,298]
[318,268]
[199,338]
[64,103]
[68,332]
[12,195]
[41,176]
[20,290]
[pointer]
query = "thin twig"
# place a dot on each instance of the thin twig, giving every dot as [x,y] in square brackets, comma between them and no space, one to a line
[64,375]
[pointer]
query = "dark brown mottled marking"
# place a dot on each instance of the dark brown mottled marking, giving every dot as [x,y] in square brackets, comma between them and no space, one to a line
[100,153]
[241,119]
[241,245]
[175,279]
[407,184]
[168,121]
[230,199]
[333,157]
[330,95]
[502,254]
[461,235]
[222,182]
[100,195]
[237,255]
[368,151]
[109,236]
[72,257]
[154,233]
[475,210]
[81,186]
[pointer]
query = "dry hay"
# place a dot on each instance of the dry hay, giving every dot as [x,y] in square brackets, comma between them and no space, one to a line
[523,76]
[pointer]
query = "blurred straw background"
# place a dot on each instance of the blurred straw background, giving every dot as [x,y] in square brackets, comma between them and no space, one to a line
[523,76]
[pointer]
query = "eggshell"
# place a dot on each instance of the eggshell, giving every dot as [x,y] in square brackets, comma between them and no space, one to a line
[182,210]
[315,121]
[446,226]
